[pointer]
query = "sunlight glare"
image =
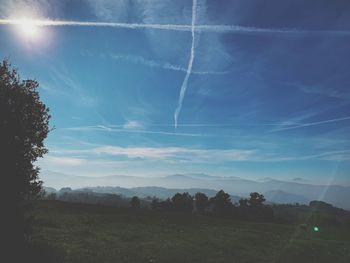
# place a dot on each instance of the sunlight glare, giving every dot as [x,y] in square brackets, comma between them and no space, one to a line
[29,28]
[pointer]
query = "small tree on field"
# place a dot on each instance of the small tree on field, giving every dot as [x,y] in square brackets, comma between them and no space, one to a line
[135,202]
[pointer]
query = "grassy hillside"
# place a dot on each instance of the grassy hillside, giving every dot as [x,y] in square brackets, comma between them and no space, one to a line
[91,233]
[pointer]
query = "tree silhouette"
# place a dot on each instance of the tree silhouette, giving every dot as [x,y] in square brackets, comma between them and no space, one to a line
[201,202]
[243,202]
[135,202]
[256,199]
[166,205]
[182,202]
[24,123]
[222,203]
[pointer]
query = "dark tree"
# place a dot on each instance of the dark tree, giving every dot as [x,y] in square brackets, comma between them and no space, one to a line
[222,203]
[182,202]
[166,205]
[256,199]
[201,202]
[135,202]
[65,190]
[51,196]
[243,202]
[24,124]
[155,203]
[321,205]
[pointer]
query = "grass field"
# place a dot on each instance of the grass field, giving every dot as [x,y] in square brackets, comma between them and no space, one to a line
[90,233]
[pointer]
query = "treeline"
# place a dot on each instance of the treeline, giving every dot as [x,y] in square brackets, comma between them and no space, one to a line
[87,196]
[316,213]
[249,209]
[252,208]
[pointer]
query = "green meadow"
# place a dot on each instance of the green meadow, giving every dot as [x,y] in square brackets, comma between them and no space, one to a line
[69,232]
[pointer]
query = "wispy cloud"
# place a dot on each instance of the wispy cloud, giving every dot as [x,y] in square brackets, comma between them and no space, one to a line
[58,162]
[337,155]
[30,8]
[66,161]
[68,85]
[302,125]
[166,153]
[164,65]
[184,155]
[190,64]
[329,92]
[120,128]
[132,125]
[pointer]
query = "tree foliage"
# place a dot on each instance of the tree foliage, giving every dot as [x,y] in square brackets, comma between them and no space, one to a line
[24,124]
[166,205]
[201,202]
[182,202]
[256,199]
[222,203]
[243,202]
[135,202]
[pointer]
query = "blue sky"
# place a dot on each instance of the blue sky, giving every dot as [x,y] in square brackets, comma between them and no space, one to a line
[265,85]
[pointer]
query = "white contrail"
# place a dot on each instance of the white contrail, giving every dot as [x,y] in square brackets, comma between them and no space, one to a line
[197,28]
[255,30]
[312,124]
[163,65]
[190,64]
[94,24]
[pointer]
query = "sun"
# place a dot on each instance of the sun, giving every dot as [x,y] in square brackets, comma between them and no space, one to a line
[29,28]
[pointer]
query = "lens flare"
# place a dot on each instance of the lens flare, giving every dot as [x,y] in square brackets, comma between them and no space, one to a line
[29,28]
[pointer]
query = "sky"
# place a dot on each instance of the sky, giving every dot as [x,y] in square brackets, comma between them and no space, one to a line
[255,89]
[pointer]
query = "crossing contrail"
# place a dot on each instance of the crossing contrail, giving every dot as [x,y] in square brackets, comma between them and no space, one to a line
[190,65]
[193,28]
[176,27]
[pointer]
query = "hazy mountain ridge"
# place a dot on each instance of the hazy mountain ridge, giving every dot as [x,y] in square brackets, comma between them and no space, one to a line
[282,197]
[274,189]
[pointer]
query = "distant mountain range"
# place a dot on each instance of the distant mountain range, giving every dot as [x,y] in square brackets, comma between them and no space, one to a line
[275,190]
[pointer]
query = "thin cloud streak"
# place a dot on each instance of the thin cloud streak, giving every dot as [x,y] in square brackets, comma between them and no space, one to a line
[185,154]
[164,65]
[190,65]
[112,129]
[221,125]
[164,153]
[179,27]
[312,124]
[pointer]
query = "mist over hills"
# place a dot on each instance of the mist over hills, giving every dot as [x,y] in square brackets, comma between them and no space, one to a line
[275,190]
